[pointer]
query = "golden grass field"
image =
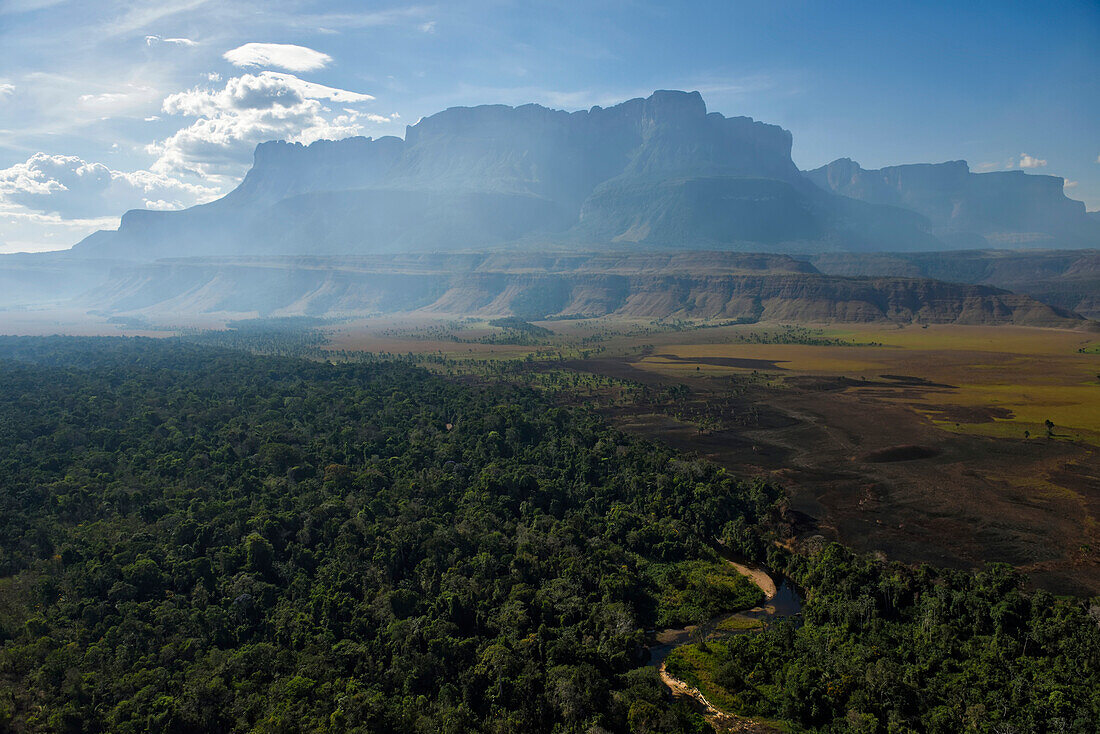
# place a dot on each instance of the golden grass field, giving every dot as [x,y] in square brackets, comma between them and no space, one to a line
[1004,380]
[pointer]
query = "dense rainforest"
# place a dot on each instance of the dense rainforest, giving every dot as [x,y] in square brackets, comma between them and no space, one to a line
[195,539]
[882,647]
[199,539]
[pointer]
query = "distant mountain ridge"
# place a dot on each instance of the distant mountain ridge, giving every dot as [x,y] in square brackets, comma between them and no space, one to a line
[660,172]
[655,172]
[498,210]
[1001,208]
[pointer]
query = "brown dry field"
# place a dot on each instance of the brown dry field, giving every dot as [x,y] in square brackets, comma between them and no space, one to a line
[913,448]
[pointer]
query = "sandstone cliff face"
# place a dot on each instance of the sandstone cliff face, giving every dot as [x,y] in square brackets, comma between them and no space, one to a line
[654,172]
[281,170]
[1001,208]
[494,285]
[660,171]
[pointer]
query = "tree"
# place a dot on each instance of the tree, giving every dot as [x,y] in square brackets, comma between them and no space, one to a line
[259,554]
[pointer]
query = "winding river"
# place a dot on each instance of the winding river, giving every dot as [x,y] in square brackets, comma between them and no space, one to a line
[780,601]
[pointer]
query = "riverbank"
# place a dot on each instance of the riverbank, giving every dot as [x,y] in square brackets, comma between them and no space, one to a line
[779,601]
[720,720]
[759,576]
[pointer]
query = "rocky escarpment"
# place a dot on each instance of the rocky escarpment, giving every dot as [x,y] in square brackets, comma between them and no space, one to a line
[492,286]
[1003,208]
[1069,279]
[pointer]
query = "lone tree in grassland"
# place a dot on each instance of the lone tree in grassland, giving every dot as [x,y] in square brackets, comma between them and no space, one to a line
[1050,427]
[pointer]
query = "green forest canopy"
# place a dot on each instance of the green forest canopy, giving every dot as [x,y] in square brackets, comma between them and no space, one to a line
[197,539]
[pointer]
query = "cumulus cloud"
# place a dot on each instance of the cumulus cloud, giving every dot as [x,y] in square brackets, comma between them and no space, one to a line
[160,205]
[73,188]
[1027,161]
[151,40]
[281,55]
[248,110]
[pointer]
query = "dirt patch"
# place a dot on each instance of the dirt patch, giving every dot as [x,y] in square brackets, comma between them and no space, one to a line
[823,384]
[759,576]
[742,362]
[919,493]
[908,452]
[966,413]
[915,381]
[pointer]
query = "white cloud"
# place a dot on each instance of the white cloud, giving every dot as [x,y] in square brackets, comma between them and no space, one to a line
[150,40]
[1068,184]
[281,55]
[251,109]
[428,27]
[120,99]
[73,188]
[6,89]
[107,98]
[160,205]
[1098,159]
[1027,161]
[316,91]
[214,76]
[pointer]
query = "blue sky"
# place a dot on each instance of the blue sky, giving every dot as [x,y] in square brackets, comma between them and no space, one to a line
[107,105]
